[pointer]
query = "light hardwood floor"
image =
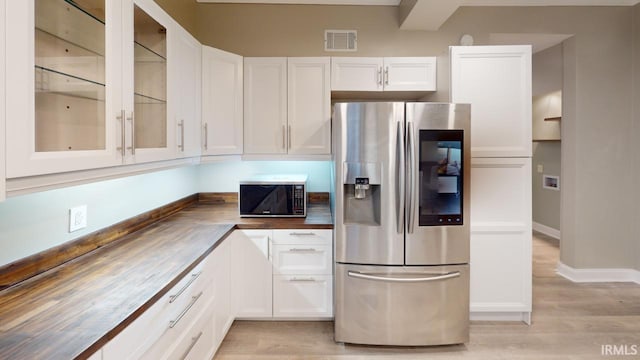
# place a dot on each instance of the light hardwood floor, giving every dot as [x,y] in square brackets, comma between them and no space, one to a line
[570,321]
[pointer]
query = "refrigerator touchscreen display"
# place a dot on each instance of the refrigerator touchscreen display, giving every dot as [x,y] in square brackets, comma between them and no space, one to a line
[440,182]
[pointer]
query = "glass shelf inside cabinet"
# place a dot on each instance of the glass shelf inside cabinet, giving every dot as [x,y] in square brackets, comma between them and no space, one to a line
[69,75]
[150,81]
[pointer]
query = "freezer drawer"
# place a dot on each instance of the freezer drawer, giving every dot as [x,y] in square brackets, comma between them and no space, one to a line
[412,306]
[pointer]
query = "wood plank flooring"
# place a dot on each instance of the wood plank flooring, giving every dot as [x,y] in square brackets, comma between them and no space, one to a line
[570,321]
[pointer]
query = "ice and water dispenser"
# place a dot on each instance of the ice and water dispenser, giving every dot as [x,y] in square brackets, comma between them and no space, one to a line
[362,193]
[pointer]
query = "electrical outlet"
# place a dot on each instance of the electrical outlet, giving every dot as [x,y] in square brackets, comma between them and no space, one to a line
[540,168]
[77,218]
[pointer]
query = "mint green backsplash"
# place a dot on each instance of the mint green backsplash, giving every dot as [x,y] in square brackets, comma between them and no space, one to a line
[224,176]
[35,222]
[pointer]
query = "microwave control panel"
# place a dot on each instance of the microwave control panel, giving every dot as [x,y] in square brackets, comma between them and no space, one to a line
[298,200]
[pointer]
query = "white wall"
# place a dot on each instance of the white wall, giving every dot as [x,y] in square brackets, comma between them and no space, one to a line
[546,202]
[35,222]
[636,125]
[547,78]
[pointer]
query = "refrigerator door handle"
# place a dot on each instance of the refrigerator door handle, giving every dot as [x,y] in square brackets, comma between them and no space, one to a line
[412,178]
[360,275]
[399,178]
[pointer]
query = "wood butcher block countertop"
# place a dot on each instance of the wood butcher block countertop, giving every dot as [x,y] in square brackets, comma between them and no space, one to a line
[74,309]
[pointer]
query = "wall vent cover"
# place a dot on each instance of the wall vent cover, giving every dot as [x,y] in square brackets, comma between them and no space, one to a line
[340,40]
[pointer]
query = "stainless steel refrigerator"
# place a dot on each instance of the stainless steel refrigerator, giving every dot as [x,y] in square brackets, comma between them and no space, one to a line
[401,208]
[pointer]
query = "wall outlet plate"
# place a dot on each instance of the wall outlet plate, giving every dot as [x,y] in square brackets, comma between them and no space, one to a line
[77,218]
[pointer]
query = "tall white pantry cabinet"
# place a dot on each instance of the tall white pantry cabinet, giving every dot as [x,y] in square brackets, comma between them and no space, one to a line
[496,81]
[2,97]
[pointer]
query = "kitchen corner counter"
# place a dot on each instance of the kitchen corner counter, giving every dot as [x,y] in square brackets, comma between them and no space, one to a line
[318,217]
[74,309]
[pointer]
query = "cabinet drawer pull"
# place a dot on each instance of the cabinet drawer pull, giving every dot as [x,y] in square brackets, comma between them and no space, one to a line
[173,298]
[194,340]
[302,234]
[184,312]
[297,279]
[386,76]
[302,250]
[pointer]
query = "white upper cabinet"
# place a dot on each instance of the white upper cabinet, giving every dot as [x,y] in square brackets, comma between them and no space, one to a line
[356,73]
[409,74]
[2,99]
[63,66]
[496,81]
[383,74]
[265,105]
[186,74]
[149,134]
[222,109]
[287,106]
[309,106]
[84,85]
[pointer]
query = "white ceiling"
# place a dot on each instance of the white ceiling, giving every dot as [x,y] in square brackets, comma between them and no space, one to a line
[308,2]
[538,42]
[442,2]
[429,15]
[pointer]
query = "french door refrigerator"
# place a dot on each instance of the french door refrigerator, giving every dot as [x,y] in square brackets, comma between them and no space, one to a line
[401,209]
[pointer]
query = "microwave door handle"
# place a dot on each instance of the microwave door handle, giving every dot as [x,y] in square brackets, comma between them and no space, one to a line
[411,184]
[399,178]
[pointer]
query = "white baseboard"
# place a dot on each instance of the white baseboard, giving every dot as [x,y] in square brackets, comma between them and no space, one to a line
[549,231]
[524,317]
[598,275]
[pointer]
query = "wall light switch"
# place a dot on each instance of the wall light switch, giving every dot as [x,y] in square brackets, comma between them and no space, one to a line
[77,218]
[540,168]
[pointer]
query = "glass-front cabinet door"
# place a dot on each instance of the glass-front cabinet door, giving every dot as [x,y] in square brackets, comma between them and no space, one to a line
[88,85]
[149,136]
[58,108]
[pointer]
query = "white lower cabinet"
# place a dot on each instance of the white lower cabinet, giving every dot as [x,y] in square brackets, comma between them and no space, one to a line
[280,274]
[184,323]
[251,273]
[237,280]
[302,296]
[303,267]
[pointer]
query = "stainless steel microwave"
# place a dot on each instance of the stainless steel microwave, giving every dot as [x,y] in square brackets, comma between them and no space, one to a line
[273,196]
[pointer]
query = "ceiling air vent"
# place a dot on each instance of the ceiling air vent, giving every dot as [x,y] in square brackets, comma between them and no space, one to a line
[340,40]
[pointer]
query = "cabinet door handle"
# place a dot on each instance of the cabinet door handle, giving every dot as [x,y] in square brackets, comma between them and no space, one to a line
[173,298]
[303,250]
[181,125]
[194,340]
[297,279]
[133,134]
[386,76]
[184,312]
[123,139]
[302,234]
[206,136]
[380,76]
[283,136]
